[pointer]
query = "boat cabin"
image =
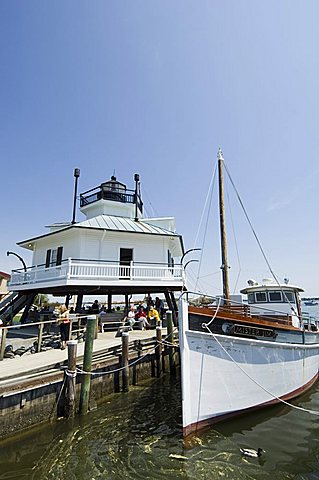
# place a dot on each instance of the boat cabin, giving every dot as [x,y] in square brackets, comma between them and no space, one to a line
[274,300]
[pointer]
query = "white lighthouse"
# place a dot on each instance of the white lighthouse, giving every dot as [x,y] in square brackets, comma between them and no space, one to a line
[115,250]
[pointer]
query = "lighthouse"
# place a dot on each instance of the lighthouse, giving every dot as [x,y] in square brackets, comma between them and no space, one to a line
[115,250]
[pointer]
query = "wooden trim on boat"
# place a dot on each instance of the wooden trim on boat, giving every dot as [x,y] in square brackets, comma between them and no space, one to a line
[233,316]
[196,426]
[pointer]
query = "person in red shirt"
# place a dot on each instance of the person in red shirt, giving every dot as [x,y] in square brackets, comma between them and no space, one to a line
[141,316]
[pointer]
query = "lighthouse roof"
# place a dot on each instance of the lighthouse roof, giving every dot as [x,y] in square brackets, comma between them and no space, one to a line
[107,222]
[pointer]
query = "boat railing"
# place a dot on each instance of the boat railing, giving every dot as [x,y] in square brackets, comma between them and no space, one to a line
[236,310]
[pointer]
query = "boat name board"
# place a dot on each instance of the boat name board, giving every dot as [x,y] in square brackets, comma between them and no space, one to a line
[252,331]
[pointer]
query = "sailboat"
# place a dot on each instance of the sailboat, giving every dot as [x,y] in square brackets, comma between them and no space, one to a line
[239,357]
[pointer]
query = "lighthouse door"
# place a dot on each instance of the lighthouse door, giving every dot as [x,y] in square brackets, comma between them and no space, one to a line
[126,257]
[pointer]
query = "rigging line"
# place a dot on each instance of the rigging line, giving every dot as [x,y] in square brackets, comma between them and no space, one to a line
[148,199]
[258,241]
[210,274]
[205,204]
[312,412]
[206,225]
[235,240]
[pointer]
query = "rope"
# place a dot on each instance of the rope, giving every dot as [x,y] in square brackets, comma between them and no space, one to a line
[206,325]
[206,224]
[109,372]
[306,410]
[258,242]
[83,372]
[235,240]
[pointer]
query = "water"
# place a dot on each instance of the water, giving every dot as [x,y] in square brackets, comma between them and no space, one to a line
[138,436]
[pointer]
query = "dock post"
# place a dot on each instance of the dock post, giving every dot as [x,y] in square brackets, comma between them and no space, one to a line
[40,332]
[158,351]
[87,364]
[69,408]
[96,326]
[125,371]
[170,339]
[70,328]
[4,332]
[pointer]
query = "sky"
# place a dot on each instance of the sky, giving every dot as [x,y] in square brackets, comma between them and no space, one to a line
[156,87]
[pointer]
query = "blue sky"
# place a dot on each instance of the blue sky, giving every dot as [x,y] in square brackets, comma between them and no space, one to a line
[156,87]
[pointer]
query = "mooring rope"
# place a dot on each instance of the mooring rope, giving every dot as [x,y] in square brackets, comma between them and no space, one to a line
[109,372]
[206,325]
[312,412]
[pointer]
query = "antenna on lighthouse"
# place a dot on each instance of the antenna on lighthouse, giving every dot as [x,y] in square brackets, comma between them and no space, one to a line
[137,191]
[76,176]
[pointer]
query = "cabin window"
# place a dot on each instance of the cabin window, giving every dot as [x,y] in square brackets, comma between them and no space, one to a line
[261,297]
[251,298]
[275,296]
[289,297]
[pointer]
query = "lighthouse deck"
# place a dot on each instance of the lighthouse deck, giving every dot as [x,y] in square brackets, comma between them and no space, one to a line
[90,273]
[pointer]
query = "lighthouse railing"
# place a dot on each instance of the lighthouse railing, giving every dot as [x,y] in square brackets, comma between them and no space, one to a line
[72,269]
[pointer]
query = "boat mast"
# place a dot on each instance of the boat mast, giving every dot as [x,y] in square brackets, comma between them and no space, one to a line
[224,266]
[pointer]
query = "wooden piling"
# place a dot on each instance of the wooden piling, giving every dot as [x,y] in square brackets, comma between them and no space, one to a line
[40,333]
[87,364]
[170,339]
[125,371]
[4,332]
[158,351]
[170,304]
[96,326]
[69,407]
[70,328]
[79,300]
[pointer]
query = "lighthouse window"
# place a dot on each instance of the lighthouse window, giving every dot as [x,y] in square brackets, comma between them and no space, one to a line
[261,297]
[53,257]
[275,296]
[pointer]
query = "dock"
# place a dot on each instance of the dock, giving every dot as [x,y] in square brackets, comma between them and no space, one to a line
[32,387]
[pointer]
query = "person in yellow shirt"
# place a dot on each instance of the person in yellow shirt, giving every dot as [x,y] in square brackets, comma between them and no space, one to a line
[153,316]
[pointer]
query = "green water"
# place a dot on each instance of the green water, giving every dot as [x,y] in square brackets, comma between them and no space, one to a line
[138,436]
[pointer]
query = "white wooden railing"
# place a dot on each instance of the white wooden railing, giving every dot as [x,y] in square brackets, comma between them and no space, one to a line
[86,270]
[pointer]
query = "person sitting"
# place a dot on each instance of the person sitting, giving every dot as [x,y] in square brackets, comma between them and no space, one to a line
[131,317]
[153,316]
[141,318]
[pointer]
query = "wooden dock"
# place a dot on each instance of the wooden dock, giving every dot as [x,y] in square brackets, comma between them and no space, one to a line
[32,387]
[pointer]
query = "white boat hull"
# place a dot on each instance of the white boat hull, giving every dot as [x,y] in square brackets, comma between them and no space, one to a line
[225,375]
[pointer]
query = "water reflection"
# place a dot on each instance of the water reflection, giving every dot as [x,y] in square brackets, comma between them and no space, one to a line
[138,435]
